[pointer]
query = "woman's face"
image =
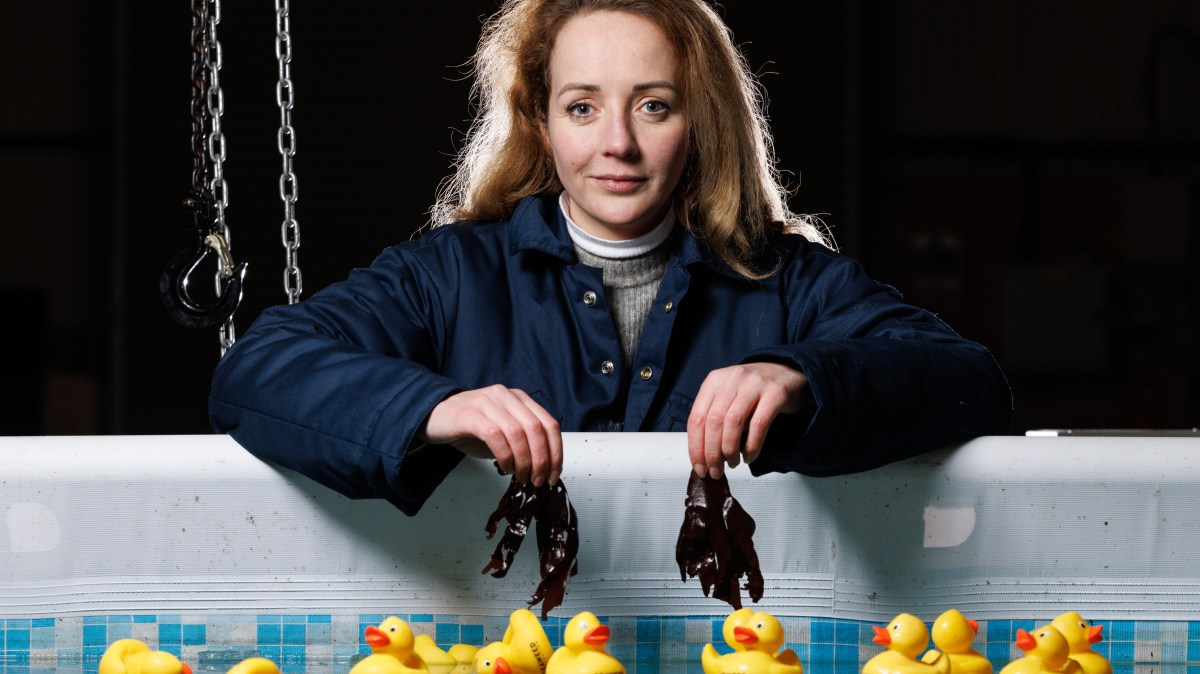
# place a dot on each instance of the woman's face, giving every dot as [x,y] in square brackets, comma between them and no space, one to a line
[616,122]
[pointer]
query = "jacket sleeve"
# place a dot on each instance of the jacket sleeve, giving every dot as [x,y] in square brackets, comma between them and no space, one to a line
[889,380]
[336,387]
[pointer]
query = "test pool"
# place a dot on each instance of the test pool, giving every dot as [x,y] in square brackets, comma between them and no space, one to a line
[197,548]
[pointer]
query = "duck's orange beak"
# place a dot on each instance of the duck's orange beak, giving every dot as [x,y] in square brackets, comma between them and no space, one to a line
[974,625]
[1094,634]
[882,636]
[1025,641]
[744,635]
[502,666]
[184,669]
[597,635]
[376,637]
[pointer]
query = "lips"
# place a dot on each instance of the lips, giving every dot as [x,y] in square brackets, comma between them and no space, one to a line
[614,183]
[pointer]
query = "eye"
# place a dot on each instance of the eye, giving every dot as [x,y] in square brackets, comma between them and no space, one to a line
[656,107]
[579,109]
[1083,624]
[761,625]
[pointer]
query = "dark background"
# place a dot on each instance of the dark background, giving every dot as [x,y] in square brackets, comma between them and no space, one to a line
[1029,170]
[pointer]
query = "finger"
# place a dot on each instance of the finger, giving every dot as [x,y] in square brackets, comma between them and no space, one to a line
[512,422]
[714,427]
[734,426]
[764,414]
[543,438]
[696,427]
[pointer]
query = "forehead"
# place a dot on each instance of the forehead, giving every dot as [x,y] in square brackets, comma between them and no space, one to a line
[605,43]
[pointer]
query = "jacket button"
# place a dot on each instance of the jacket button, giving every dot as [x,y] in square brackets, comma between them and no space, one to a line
[668,306]
[607,367]
[646,373]
[589,298]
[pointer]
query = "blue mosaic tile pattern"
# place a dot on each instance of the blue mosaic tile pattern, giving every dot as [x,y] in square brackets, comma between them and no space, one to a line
[324,643]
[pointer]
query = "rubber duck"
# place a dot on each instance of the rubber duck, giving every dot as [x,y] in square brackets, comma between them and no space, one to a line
[437,660]
[524,648]
[1080,636]
[392,651]
[953,635]
[738,618]
[583,650]
[464,658]
[254,666]
[458,659]
[130,656]
[756,639]
[1046,651]
[905,639]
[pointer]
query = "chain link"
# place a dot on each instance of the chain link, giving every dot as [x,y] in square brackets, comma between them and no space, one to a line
[289,188]
[215,105]
[199,87]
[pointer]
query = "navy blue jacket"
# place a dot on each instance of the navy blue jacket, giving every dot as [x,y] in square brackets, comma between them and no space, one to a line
[337,386]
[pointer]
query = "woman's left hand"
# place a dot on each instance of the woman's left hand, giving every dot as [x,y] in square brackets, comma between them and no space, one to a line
[736,403]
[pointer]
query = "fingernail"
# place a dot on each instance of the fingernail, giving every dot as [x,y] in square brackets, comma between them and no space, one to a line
[701,471]
[553,479]
[714,472]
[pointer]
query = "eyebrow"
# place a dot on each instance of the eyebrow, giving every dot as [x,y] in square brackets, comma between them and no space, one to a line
[580,86]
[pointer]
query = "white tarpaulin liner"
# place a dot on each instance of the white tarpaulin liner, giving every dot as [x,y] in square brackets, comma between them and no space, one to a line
[1001,527]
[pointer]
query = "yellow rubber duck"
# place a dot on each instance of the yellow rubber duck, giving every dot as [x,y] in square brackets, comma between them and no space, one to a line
[392,652]
[954,635]
[464,658]
[1046,652]
[524,648]
[1080,636]
[905,639]
[437,660]
[755,639]
[583,650]
[254,666]
[738,618]
[130,656]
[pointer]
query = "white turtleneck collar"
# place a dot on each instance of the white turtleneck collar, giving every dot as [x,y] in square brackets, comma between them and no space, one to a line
[616,250]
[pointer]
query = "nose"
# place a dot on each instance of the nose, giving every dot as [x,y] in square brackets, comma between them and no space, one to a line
[619,138]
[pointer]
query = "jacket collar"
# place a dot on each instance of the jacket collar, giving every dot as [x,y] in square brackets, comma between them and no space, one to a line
[538,224]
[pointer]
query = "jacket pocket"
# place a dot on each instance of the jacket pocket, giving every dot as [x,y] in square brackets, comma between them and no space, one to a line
[676,413]
[541,399]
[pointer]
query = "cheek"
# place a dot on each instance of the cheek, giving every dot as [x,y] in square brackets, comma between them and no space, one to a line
[669,152]
[566,148]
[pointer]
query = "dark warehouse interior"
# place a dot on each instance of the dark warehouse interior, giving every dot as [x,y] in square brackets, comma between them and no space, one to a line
[1029,171]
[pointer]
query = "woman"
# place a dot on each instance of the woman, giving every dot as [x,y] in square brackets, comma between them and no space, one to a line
[622,258]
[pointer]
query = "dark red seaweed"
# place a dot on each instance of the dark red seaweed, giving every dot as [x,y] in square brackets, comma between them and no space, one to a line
[716,542]
[557,537]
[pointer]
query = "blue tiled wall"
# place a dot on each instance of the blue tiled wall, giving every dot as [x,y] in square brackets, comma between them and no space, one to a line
[324,643]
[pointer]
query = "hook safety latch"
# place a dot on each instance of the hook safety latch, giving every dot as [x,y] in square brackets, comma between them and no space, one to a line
[177,272]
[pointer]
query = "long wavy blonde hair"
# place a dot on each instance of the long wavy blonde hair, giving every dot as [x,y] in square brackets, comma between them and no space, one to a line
[730,196]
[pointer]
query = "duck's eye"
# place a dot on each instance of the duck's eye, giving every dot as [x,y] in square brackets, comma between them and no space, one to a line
[1043,634]
[1083,624]
[761,625]
[393,628]
[487,663]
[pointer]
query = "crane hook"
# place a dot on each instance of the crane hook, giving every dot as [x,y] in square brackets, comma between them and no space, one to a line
[177,272]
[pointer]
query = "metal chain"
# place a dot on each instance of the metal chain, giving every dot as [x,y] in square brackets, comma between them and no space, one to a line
[199,87]
[289,189]
[216,155]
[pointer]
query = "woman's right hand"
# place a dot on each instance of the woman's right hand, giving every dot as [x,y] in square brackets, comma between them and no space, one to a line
[504,424]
